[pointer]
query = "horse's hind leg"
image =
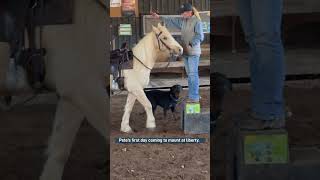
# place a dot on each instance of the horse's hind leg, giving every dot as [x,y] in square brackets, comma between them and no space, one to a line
[125,127]
[142,98]
[67,122]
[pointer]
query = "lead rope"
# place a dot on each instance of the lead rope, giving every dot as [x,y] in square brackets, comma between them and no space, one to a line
[142,62]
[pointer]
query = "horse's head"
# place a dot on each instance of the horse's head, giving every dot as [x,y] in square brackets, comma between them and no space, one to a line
[166,41]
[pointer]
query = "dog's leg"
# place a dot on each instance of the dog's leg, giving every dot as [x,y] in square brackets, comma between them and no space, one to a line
[154,108]
[173,110]
[142,98]
[164,113]
[125,127]
[174,116]
[67,122]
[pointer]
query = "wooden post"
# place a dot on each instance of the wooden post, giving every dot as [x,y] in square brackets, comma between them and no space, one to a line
[194,120]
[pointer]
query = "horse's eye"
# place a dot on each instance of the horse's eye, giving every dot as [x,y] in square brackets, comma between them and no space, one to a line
[165,38]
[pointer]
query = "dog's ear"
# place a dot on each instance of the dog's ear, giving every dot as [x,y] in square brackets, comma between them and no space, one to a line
[174,88]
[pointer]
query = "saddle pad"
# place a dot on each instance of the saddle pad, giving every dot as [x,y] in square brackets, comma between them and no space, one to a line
[54,12]
[117,59]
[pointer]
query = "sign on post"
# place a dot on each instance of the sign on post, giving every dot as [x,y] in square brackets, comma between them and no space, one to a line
[115,3]
[266,149]
[192,108]
[125,30]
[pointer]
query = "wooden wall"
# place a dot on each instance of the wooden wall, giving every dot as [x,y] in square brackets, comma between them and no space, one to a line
[165,7]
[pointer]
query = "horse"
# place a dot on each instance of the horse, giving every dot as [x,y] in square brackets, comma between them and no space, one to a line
[75,64]
[145,53]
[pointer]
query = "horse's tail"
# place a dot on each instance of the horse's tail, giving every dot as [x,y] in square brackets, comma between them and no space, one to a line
[196,12]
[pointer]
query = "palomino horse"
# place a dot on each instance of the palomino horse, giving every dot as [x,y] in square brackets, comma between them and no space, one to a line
[75,68]
[159,40]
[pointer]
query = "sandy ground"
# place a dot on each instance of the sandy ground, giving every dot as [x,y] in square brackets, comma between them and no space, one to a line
[23,138]
[156,161]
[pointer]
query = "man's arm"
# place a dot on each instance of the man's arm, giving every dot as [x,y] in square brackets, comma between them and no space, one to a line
[172,21]
[198,37]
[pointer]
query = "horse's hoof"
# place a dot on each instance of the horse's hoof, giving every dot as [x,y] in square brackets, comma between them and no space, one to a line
[153,129]
[129,131]
[126,130]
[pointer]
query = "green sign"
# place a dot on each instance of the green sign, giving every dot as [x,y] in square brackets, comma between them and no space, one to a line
[205,18]
[193,108]
[206,27]
[125,30]
[266,149]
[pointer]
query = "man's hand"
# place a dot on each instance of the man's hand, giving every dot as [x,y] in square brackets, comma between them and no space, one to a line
[185,49]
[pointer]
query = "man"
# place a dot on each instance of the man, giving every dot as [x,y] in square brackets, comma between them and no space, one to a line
[192,35]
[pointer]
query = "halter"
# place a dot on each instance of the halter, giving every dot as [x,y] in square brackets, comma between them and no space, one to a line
[160,40]
[165,45]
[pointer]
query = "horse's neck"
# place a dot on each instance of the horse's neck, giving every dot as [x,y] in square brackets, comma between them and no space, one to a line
[146,51]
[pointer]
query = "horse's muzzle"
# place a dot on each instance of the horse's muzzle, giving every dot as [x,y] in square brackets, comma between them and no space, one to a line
[178,51]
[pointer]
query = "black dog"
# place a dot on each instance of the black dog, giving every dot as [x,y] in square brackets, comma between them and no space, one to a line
[165,99]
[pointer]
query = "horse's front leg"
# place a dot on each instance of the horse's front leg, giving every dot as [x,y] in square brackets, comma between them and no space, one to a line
[125,127]
[67,123]
[142,98]
[93,102]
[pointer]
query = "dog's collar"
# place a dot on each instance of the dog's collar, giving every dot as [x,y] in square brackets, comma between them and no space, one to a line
[173,98]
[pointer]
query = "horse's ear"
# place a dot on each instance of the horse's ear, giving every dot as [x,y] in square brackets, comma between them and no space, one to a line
[155,29]
[159,25]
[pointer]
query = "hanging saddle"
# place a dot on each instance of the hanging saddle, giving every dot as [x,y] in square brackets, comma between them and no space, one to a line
[120,59]
[18,16]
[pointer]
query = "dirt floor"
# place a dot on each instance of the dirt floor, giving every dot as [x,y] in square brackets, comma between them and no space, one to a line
[24,132]
[23,138]
[156,161]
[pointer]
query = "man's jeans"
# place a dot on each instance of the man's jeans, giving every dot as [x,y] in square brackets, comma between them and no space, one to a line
[191,65]
[261,22]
